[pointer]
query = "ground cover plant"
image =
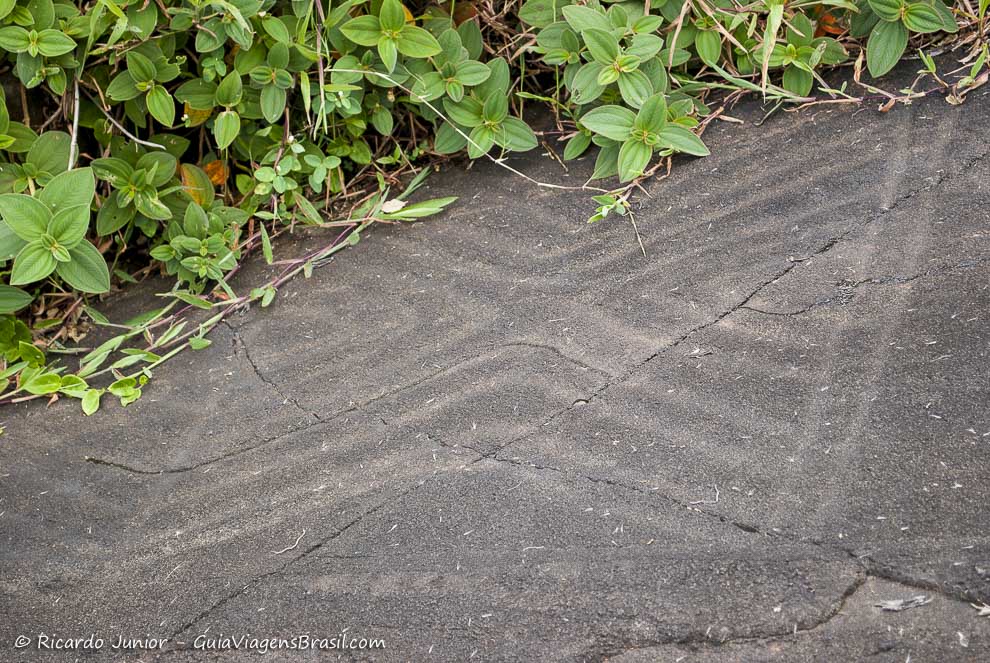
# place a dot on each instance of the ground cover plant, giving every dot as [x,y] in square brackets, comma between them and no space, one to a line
[179,137]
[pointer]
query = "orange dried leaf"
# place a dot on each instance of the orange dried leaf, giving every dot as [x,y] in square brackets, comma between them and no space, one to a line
[828,25]
[197,184]
[217,172]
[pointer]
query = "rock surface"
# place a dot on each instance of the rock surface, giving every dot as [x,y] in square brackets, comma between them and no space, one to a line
[507,435]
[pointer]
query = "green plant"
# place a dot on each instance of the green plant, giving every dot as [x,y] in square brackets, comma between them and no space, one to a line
[180,137]
[47,234]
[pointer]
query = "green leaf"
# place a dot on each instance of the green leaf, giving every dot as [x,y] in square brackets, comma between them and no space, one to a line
[276,28]
[885,46]
[164,165]
[50,152]
[919,17]
[391,16]
[798,81]
[496,108]
[26,216]
[123,88]
[33,263]
[52,43]
[417,43]
[91,401]
[583,18]
[888,10]
[466,113]
[44,383]
[69,225]
[230,90]
[141,69]
[515,135]
[678,138]
[272,102]
[602,46]
[613,122]
[10,243]
[708,43]
[266,243]
[69,189]
[87,271]
[226,127]
[192,300]
[577,145]
[635,87]
[199,343]
[471,72]
[13,299]
[389,53]
[653,115]
[161,106]
[14,39]
[421,209]
[481,140]
[448,140]
[585,87]
[363,30]
[112,217]
[634,156]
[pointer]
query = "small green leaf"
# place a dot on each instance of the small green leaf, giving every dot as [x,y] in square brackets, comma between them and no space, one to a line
[192,300]
[122,87]
[363,30]
[87,271]
[885,46]
[26,216]
[266,245]
[69,189]
[91,401]
[417,43]
[141,69]
[602,46]
[389,52]
[391,16]
[653,115]
[634,156]
[226,127]
[52,43]
[708,43]
[682,140]
[276,28]
[13,299]
[272,102]
[42,384]
[635,87]
[922,18]
[69,225]
[161,106]
[14,39]
[230,90]
[888,10]
[614,122]
[33,263]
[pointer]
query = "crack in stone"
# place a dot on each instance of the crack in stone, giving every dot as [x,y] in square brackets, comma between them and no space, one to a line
[845,289]
[257,580]
[703,641]
[868,565]
[317,420]
[239,345]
